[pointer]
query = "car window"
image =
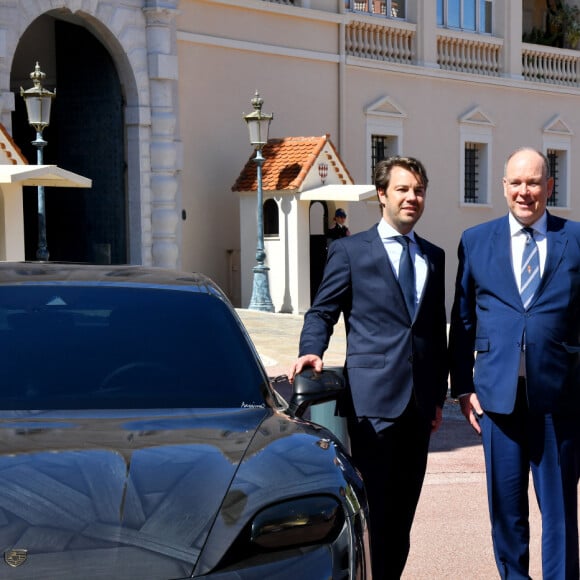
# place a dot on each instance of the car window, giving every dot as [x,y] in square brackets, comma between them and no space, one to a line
[65,347]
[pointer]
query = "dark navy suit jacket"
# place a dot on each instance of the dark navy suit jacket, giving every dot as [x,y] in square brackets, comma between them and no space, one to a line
[488,319]
[389,358]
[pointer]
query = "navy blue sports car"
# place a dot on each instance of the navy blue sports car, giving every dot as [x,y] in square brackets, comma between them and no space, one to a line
[140,437]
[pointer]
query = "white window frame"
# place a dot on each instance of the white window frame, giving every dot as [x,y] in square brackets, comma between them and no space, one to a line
[483,143]
[561,180]
[391,129]
[479,25]
[481,160]
[558,136]
[385,118]
[393,141]
[271,205]
[475,127]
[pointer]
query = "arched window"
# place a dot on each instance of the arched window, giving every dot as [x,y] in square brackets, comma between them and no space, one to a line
[271,219]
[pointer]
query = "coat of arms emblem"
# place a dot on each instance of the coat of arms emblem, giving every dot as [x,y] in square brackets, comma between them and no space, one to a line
[15,557]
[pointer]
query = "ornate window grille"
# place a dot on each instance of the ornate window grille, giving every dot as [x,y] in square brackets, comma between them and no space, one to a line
[471,191]
[553,159]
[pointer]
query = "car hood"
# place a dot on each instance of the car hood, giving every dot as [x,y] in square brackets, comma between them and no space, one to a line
[115,494]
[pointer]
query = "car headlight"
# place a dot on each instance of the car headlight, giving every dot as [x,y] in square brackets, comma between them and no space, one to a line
[297,522]
[286,527]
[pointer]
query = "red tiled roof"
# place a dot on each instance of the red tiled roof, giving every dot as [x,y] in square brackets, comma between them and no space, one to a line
[287,162]
[11,150]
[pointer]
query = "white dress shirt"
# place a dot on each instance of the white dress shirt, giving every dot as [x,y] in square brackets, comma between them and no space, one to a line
[394,251]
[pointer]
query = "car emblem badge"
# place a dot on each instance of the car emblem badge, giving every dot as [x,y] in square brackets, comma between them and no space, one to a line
[15,557]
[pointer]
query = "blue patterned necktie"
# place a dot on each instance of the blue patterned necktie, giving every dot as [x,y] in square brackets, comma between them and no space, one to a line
[530,274]
[407,275]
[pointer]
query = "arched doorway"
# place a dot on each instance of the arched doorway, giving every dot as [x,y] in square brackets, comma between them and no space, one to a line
[85,135]
[318,229]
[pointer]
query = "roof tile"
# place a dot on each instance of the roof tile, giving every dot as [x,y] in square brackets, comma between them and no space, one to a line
[287,162]
[11,152]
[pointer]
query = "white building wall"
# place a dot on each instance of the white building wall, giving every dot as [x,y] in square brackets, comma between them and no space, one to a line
[299,273]
[11,223]
[277,260]
[219,77]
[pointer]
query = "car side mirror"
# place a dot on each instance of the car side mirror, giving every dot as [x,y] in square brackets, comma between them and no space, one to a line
[310,388]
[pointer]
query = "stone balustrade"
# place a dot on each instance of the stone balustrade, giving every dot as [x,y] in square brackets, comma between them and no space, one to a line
[470,53]
[393,40]
[545,64]
[386,40]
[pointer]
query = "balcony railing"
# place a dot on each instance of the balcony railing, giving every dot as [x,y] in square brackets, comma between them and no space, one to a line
[393,40]
[384,40]
[544,64]
[470,53]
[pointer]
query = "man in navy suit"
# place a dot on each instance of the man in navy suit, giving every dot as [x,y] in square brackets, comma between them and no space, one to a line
[396,360]
[514,344]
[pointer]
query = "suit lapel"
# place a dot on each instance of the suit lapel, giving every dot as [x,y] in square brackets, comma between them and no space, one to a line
[380,257]
[430,266]
[500,260]
[556,244]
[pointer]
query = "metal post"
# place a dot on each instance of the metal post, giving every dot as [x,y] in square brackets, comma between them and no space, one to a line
[261,289]
[42,249]
[38,102]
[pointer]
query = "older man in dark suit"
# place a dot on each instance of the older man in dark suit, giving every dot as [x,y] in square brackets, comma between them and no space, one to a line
[389,285]
[517,308]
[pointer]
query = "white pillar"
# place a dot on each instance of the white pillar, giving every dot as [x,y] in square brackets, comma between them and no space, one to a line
[165,150]
[507,24]
[424,13]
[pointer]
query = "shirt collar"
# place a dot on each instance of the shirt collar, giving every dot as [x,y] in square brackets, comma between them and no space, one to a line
[388,232]
[540,226]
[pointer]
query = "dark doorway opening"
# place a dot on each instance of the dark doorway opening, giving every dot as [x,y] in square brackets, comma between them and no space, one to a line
[318,242]
[86,136]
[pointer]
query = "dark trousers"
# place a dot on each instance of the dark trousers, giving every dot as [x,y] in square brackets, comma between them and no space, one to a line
[392,463]
[549,446]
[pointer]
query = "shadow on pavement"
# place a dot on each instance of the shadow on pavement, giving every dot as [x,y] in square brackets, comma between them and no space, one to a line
[455,432]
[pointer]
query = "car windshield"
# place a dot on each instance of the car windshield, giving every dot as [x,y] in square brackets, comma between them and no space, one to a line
[92,347]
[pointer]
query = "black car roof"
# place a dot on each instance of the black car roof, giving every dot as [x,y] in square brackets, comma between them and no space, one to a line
[47,272]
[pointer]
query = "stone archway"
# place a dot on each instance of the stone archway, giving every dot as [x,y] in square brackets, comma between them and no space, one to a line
[86,135]
[142,43]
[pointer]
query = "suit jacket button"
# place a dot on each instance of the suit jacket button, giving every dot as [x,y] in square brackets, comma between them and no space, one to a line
[410,359]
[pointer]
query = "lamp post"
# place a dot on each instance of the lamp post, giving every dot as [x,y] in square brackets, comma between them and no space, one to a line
[258,125]
[38,101]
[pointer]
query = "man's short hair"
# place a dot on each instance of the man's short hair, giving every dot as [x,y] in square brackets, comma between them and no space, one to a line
[383,170]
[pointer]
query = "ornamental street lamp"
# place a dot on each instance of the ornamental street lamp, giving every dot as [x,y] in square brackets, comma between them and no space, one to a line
[38,101]
[258,125]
